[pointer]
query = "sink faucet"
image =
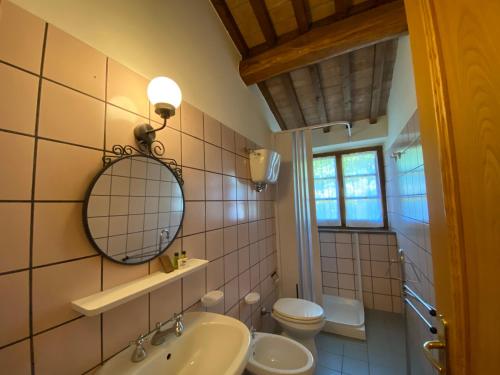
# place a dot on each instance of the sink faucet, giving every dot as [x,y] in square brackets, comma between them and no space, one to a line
[160,336]
[139,352]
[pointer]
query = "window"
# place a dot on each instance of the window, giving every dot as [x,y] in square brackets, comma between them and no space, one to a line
[326,191]
[348,189]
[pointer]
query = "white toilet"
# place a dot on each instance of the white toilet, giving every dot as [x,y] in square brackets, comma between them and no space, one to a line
[300,320]
[278,355]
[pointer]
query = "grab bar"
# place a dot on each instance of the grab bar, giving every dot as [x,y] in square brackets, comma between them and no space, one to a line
[409,292]
[417,311]
[431,309]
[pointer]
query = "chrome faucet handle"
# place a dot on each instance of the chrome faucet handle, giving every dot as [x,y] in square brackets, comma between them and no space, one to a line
[139,341]
[176,317]
[139,353]
[253,331]
[159,335]
[179,324]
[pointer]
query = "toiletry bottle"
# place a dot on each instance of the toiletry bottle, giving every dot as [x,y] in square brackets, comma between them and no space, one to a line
[176,261]
[183,258]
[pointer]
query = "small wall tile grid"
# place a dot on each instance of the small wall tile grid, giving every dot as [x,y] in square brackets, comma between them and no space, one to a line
[62,104]
[409,218]
[380,272]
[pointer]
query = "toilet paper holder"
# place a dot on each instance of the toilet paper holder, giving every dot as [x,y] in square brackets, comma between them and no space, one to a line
[212,298]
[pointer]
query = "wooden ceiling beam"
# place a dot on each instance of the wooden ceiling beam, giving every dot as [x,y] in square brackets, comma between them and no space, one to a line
[345,68]
[291,94]
[377,79]
[283,38]
[342,7]
[300,8]
[384,22]
[318,92]
[365,5]
[351,11]
[264,19]
[232,28]
[272,105]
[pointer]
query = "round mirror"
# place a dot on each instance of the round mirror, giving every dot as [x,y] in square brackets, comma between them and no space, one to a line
[133,209]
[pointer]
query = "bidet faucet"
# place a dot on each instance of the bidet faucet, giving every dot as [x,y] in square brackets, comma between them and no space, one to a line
[253,331]
[160,336]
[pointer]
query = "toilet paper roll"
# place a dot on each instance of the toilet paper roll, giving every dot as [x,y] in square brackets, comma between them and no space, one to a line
[212,298]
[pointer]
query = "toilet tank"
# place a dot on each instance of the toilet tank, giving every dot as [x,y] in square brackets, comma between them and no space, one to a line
[264,167]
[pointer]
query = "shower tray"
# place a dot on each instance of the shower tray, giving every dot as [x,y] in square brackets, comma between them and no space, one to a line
[344,316]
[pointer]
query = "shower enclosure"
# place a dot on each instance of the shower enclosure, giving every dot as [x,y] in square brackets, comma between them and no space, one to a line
[346,316]
[296,208]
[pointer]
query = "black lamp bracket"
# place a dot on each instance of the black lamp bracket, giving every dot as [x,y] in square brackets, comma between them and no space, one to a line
[145,134]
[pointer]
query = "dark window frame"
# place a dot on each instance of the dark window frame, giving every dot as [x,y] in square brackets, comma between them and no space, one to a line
[340,182]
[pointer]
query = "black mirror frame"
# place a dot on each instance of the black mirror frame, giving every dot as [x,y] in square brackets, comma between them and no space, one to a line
[108,163]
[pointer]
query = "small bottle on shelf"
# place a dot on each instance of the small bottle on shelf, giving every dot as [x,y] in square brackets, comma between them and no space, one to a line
[176,261]
[183,258]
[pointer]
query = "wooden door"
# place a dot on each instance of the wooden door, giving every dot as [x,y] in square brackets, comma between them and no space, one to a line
[456,55]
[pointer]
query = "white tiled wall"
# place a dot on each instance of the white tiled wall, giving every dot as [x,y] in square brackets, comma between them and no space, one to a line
[380,271]
[87,103]
[408,217]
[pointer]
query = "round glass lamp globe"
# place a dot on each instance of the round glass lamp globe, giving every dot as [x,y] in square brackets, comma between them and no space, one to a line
[164,90]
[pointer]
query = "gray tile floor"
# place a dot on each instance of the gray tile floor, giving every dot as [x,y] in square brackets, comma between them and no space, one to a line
[383,353]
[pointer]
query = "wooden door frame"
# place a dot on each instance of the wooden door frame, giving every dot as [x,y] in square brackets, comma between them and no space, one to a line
[422,22]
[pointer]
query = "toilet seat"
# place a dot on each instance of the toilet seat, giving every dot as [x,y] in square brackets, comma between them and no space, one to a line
[297,321]
[298,326]
[298,311]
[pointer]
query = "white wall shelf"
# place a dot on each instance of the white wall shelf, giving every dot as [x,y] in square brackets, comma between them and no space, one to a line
[106,300]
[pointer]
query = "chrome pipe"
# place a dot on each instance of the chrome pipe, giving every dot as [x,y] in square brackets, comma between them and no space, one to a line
[313,127]
[432,329]
[431,309]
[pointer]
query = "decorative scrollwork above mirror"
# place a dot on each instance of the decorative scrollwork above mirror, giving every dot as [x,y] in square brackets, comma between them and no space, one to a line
[134,207]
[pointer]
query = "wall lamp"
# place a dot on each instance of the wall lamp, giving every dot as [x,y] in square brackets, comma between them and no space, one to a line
[166,97]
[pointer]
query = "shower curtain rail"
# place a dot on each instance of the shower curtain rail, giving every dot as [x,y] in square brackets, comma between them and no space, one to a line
[346,124]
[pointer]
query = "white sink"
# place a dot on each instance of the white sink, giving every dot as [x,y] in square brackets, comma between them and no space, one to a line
[211,344]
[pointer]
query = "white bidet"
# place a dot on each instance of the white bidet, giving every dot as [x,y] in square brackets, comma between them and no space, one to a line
[279,355]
